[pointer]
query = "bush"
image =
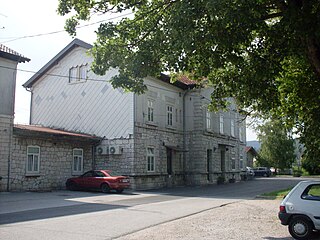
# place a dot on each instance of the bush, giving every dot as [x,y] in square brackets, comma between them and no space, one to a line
[297,172]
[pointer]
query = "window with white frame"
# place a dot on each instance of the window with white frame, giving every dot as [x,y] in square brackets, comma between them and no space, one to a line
[150,159]
[177,117]
[221,121]
[77,164]
[78,74]
[241,162]
[83,72]
[73,74]
[169,115]
[233,163]
[241,133]
[208,119]
[33,160]
[232,128]
[150,110]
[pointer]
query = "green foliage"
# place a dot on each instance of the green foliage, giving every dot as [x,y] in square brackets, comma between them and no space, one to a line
[297,172]
[278,194]
[277,147]
[313,167]
[264,53]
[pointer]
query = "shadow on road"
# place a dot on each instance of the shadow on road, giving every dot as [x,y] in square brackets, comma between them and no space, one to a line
[47,213]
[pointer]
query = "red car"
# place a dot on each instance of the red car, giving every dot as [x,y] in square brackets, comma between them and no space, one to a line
[105,180]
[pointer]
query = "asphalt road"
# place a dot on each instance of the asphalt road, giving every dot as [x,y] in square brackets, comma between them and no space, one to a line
[93,215]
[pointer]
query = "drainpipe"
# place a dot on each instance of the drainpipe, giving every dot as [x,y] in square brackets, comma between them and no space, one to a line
[31,100]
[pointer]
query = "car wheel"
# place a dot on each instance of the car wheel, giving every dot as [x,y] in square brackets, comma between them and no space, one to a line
[72,186]
[105,188]
[300,228]
[119,190]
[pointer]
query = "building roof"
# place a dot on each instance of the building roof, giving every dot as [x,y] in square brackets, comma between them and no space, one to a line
[251,149]
[39,131]
[183,83]
[10,54]
[75,43]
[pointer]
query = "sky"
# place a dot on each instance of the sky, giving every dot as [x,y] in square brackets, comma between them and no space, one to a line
[29,28]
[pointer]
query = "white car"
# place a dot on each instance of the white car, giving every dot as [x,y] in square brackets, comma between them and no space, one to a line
[300,210]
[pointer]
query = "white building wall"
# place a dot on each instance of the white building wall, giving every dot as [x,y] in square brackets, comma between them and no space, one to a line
[90,106]
[7,86]
[163,95]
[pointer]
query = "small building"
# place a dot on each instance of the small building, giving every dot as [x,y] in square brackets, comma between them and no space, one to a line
[32,157]
[251,155]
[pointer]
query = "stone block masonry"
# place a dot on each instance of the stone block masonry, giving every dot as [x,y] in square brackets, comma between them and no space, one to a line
[5,139]
[56,159]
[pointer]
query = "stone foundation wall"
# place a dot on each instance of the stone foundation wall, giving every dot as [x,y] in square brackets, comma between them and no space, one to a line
[5,136]
[55,163]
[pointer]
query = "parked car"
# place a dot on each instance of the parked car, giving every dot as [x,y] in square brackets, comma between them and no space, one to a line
[262,171]
[249,173]
[300,210]
[104,180]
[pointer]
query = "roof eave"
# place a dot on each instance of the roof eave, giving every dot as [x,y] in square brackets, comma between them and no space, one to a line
[16,58]
[165,78]
[75,43]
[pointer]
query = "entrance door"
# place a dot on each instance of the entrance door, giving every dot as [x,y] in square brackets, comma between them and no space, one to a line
[169,161]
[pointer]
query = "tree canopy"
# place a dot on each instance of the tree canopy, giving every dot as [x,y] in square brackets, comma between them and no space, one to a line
[264,53]
[277,145]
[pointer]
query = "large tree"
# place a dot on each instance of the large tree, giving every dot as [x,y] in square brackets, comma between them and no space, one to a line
[277,145]
[264,53]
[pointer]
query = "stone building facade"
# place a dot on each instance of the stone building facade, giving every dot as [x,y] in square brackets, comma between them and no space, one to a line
[162,138]
[52,163]
[9,60]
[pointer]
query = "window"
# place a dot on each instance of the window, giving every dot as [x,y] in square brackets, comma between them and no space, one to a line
[180,116]
[169,115]
[83,72]
[73,74]
[241,133]
[150,159]
[33,160]
[150,110]
[208,120]
[232,128]
[233,163]
[77,74]
[177,115]
[312,192]
[221,124]
[241,162]
[77,160]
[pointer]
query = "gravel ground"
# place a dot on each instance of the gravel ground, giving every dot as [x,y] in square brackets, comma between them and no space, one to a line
[248,219]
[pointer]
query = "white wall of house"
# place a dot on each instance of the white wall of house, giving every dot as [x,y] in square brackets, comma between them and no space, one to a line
[163,95]
[91,105]
[7,86]
[7,93]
